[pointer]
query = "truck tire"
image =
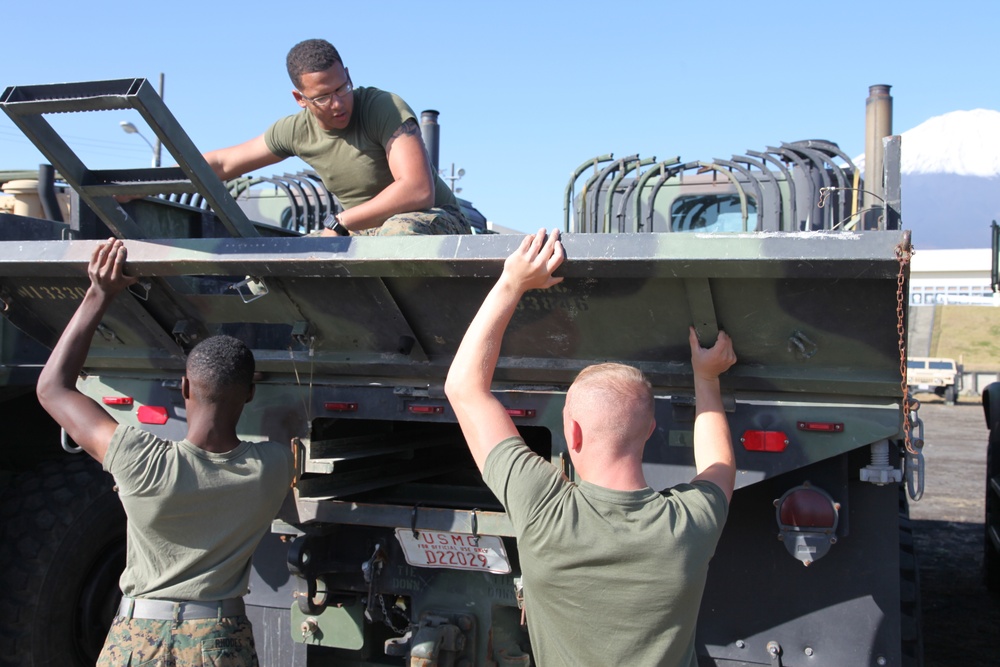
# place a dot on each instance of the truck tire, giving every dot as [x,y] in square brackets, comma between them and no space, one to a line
[61,554]
[991,553]
[911,620]
[950,394]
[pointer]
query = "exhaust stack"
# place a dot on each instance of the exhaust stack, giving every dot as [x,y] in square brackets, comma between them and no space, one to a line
[431,133]
[878,125]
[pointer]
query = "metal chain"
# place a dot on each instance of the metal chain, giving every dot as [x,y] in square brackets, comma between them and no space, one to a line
[903,254]
[386,619]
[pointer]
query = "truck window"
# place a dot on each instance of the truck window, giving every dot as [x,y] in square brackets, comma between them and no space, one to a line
[942,365]
[710,213]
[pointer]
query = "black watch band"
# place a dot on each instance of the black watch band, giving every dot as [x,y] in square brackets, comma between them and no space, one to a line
[334,226]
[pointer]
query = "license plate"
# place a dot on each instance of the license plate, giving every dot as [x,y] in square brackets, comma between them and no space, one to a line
[454,551]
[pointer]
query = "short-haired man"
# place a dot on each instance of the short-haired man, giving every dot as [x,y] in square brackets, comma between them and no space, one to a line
[364,143]
[613,571]
[196,508]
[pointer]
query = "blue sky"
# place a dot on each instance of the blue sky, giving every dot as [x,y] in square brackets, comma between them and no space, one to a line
[527,90]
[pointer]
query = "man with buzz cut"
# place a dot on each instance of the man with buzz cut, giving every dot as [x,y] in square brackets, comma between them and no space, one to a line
[196,508]
[613,571]
[364,143]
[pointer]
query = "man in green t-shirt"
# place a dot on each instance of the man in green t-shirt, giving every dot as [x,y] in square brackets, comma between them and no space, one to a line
[364,143]
[613,571]
[196,509]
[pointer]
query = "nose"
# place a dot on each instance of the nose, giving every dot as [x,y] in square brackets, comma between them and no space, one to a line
[336,103]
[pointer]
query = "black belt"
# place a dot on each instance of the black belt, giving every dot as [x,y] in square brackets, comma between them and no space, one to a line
[175,610]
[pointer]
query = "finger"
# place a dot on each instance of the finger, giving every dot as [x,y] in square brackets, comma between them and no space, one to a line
[557,257]
[693,340]
[526,242]
[538,241]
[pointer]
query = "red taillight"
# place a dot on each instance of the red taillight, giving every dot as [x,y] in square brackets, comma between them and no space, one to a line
[764,441]
[152,414]
[822,427]
[807,519]
[520,412]
[341,407]
[807,507]
[117,400]
[426,409]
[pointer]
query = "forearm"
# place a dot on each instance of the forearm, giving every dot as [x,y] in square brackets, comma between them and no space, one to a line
[68,356]
[397,197]
[476,359]
[712,439]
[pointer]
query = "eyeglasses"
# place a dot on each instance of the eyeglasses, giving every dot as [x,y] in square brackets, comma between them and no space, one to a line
[323,101]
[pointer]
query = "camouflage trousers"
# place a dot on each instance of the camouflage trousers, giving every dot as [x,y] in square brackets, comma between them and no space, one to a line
[446,219]
[226,642]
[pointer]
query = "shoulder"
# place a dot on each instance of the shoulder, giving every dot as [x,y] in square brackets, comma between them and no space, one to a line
[383,100]
[701,497]
[280,137]
[504,456]
[273,455]
[381,113]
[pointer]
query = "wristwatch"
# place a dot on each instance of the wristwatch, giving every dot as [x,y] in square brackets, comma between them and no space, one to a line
[333,224]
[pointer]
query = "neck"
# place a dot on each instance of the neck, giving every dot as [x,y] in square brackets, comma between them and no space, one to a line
[213,437]
[619,475]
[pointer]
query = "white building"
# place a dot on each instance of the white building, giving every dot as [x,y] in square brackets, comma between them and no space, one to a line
[952,277]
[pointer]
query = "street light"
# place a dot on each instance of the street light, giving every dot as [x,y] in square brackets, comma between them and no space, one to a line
[454,177]
[129,128]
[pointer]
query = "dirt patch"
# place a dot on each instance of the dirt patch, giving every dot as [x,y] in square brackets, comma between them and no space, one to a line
[961,621]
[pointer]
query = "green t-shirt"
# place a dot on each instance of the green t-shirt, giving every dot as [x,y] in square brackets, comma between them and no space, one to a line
[610,577]
[352,162]
[194,517]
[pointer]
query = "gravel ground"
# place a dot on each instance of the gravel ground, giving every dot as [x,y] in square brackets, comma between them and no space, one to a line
[961,621]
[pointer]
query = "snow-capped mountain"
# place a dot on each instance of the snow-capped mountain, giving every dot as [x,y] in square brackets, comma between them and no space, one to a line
[951,179]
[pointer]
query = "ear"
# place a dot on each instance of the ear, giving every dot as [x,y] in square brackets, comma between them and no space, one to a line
[574,435]
[185,388]
[652,427]
[253,390]
[298,98]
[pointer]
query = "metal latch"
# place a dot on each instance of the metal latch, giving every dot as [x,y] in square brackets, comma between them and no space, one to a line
[250,289]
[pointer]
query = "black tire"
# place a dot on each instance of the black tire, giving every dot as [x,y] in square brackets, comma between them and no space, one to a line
[909,589]
[991,555]
[61,554]
[950,395]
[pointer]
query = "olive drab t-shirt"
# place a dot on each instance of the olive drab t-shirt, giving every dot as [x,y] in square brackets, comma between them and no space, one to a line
[352,162]
[194,517]
[610,577]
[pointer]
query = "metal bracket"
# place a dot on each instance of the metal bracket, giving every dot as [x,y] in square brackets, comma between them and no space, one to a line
[250,289]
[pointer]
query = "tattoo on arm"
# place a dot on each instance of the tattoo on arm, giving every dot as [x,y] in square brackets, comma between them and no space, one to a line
[409,127]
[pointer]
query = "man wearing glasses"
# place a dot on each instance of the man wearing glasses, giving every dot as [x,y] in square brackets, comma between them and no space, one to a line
[363,142]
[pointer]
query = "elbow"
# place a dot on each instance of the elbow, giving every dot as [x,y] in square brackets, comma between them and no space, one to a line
[426,199]
[451,387]
[44,391]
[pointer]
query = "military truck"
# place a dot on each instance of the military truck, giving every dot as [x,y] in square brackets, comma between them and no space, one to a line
[991,409]
[391,550]
[938,375]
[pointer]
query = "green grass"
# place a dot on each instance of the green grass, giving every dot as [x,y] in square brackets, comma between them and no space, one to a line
[968,334]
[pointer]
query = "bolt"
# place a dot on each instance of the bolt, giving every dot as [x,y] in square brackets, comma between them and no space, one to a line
[809,651]
[881,660]
[740,643]
[309,628]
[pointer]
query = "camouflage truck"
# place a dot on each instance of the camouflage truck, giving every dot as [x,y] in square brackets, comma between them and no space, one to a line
[391,550]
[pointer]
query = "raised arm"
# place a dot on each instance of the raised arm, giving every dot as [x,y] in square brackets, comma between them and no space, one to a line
[713,445]
[83,418]
[237,160]
[484,421]
[412,188]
